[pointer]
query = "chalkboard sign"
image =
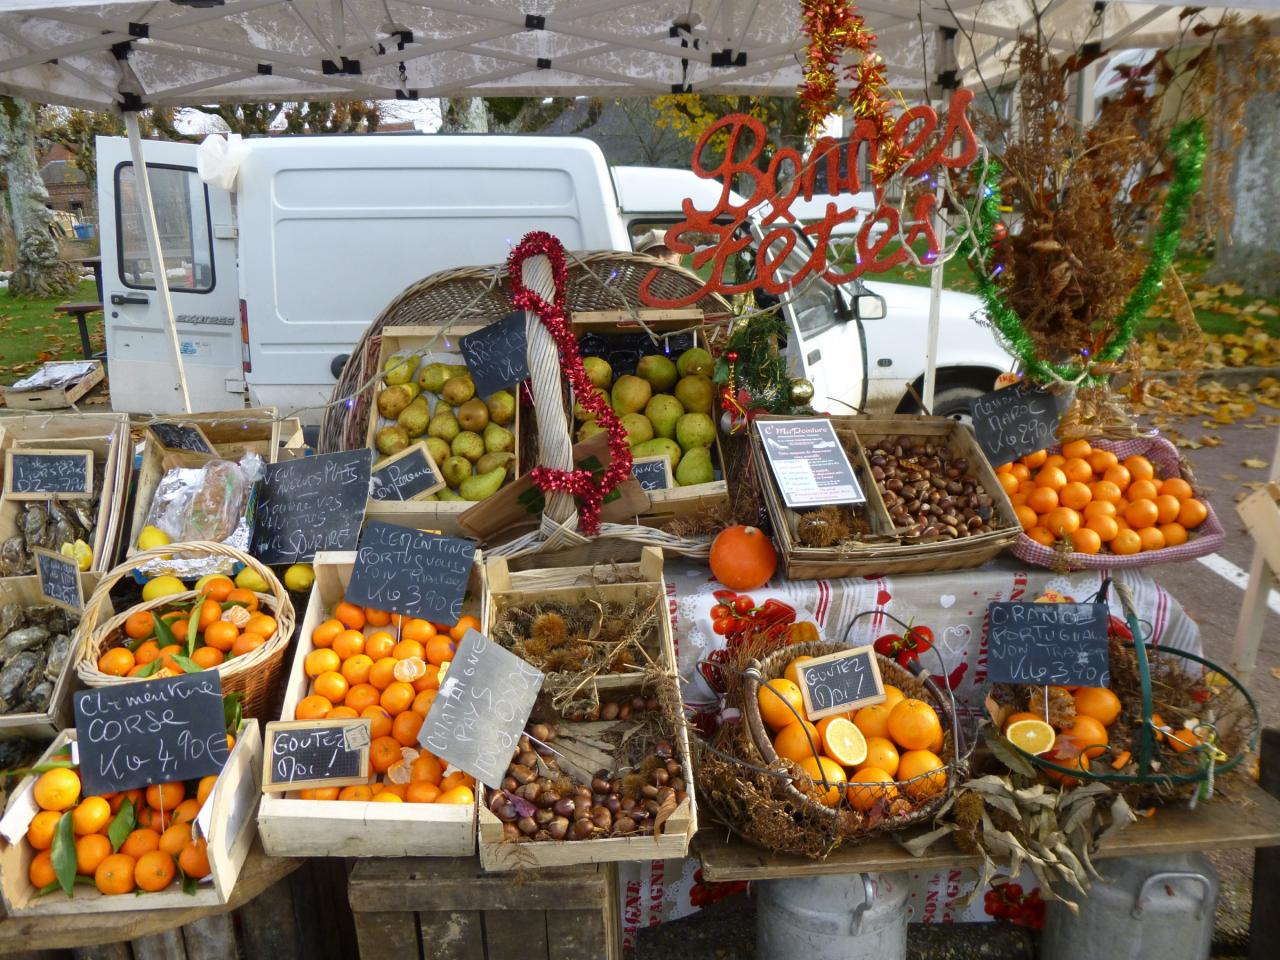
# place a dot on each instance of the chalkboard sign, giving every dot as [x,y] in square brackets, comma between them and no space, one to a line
[150,731]
[410,572]
[654,473]
[497,355]
[316,503]
[410,475]
[31,474]
[302,754]
[840,682]
[59,579]
[481,709]
[809,463]
[1015,421]
[180,436]
[1060,644]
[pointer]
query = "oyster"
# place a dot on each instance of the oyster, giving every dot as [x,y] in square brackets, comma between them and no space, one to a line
[14,560]
[32,523]
[28,638]
[53,619]
[58,651]
[39,697]
[14,678]
[11,618]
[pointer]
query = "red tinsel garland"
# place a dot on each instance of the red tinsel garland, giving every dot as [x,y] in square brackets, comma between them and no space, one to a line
[580,483]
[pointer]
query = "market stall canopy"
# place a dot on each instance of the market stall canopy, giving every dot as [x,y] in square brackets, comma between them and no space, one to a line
[131,55]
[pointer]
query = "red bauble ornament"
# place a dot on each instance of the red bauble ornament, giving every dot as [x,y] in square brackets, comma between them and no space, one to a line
[732,356]
[998,231]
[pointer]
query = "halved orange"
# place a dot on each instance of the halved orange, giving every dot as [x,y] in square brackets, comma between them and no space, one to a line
[842,741]
[1033,736]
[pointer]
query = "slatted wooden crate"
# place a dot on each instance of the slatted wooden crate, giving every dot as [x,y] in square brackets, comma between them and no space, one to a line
[452,910]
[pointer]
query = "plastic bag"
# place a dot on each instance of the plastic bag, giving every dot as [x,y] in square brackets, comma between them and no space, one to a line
[218,159]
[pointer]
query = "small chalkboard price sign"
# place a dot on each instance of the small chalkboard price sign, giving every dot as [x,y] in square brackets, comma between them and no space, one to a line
[32,474]
[481,709]
[409,475]
[809,463]
[316,503]
[497,355]
[654,473]
[150,731]
[839,682]
[411,573]
[302,754]
[59,579]
[1063,644]
[1014,421]
[180,436]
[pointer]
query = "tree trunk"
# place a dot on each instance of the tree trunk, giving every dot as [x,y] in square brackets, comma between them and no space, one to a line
[38,271]
[464,115]
[1251,257]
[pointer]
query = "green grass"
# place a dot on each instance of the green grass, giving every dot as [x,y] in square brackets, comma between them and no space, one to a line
[31,332]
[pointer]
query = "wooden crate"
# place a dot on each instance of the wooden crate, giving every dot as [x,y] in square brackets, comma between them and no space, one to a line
[107,435]
[57,716]
[291,827]
[452,910]
[234,799]
[55,398]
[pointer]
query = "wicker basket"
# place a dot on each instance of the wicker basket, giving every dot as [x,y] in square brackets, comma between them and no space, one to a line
[953,747]
[254,674]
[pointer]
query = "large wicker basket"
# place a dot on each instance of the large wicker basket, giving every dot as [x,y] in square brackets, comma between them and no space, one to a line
[253,674]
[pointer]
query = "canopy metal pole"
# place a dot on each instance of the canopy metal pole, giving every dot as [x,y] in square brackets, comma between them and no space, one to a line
[946,62]
[142,183]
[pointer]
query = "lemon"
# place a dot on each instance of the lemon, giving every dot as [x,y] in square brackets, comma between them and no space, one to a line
[162,587]
[299,577]
[82,553]
[152,537]
[246,579]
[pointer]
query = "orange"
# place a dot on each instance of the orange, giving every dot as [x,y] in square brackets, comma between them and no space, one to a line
[408,648]
[245,643]
[139,625]
[440,649]
[1077,448]
[1027,517]
[357,791]
[137,670]
[1020,471]
[166,657]
[1075,495]
[752,555]
[421,791]
[243,598]
[780,703]
[376,618]
[210,612]
[913,725]
[1126,543]
[349,615]
[332,686]
[92,814]
[116,662]
[140,841]
[1018,499]
[869,786]
[1003,468]
[1192,514]
[115,874]
[397,697]
[1062,521]
[1102,460]
[1139,467]
[322,636]
[427,767]
[457,778]
[348,643]
[1009,482]
[1177,488]
[380,721]
[387,796]
[422,702]
[417,630]
[218,589]
[1077,470]
[798,740]
[135,797]
[1099,703]
[1152,538]
[1175,534]
[873,721]
[312,708]
[1042,536]
[923,773]
[175,838]
[207,657]
[57,789]
[1052,477]
[165,796]
[343,712]
[41,872]
[842,741]
[261,624]
[186,811]
[221,635]
[1141,513]
[1036,459]
[1085,540]
[153,819]
[1020,715]
[1105,527]
[1042,499]
[1119,475]
[355,668]
[360,696]
[1089,735]
[405,727]
[461,795]
[1141,490]
[154,871]
[383,672]
[383,752]
[194,860]
[1105,491]
[319,793]
[321,661]
[379,645]
[397,790]
[881,754]
[825,769]
[91,851]
[892,696]
[40,830]
[1182,739]
[205,787]
[147,652]
[792,673]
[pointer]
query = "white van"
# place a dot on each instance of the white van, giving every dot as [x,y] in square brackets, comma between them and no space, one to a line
[274,284]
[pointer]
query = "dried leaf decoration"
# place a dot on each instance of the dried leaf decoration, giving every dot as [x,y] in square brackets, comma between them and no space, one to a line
[1255,464]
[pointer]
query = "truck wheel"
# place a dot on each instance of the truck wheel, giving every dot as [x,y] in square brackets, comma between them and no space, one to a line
[953,402]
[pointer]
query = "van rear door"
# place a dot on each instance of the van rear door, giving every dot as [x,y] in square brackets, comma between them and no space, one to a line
[198,242]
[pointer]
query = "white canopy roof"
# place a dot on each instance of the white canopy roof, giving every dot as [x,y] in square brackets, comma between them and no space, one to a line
[173,52]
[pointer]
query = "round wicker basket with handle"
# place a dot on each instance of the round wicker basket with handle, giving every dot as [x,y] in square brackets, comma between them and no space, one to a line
[253,674]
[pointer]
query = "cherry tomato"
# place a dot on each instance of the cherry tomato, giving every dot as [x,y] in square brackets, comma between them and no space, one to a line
[720,611]
[923,637]
[744,605]
[724,596]
[722,626]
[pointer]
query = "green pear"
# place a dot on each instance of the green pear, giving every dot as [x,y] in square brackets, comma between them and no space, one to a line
[630,394]
[432,377]
[482,485]
[415,417]
[438,448]
[498,439]
[469,445]
[502,407]
[457,370]
[663,411]
[658,370]
[598,371]
[492,461]
[693,361]
[638,428]
[448,496]
[455,470]
[398,369]
[582,413]
[473,415]
[696,393]
[414,390]
[695,430]
[429,496]
[659,447]
[458,390]
[588,430]
[443,425]
[695,467]
[391,440]
[392,400]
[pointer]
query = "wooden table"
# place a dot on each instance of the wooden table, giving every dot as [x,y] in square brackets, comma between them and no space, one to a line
[81,312]
[1176,829]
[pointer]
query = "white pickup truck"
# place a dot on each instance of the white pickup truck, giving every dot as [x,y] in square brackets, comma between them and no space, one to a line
[273,283]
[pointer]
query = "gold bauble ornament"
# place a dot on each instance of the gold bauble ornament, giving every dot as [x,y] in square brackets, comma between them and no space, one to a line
[801,391]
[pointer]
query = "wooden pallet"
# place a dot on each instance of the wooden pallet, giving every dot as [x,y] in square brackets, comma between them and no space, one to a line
[419,908]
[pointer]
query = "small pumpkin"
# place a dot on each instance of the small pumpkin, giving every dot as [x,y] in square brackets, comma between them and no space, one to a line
[743,558]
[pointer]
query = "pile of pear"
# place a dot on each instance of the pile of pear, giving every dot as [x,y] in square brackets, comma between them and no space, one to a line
[664,406]
[467,436]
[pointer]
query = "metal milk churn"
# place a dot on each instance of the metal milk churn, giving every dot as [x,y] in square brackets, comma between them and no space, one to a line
[845,917]
[1150,908]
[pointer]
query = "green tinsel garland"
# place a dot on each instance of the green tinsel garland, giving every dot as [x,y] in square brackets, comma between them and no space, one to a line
[1187,144]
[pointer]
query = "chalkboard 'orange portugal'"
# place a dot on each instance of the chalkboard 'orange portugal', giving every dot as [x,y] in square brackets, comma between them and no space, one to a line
[743,558]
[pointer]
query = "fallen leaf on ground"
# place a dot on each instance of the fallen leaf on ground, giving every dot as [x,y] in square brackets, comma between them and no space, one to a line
[1254,464]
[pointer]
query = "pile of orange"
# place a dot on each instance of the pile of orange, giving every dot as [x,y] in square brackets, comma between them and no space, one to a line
[1086,738]
[126,841]
[886,753]
[228,624]
[1098,503]
[386,667]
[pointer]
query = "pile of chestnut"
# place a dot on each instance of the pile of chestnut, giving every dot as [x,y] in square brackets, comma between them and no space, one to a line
[927,491]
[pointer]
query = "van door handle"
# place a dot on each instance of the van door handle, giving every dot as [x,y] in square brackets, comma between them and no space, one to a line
[119,299]
[813,357]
